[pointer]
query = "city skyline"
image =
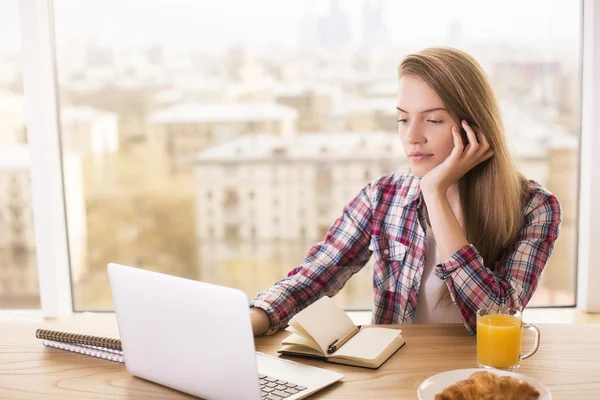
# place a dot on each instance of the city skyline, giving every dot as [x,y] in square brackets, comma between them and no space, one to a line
[180,25]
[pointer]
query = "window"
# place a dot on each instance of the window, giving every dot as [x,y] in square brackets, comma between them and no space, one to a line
[230,170]
[232,232]
[110,80]
[18,279]
[230,199]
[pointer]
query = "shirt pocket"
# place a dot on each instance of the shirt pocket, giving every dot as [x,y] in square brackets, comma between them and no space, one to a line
[389,260]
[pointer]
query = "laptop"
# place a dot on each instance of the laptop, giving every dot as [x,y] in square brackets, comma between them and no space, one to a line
[197,338]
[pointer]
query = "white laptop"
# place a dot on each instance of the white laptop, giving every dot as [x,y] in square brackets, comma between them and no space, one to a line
[197,338]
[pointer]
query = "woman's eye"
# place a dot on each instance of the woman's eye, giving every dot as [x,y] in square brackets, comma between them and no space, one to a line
[403,120]
[434,121]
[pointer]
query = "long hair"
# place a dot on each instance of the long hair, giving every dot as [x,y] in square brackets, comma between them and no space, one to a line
[491,194]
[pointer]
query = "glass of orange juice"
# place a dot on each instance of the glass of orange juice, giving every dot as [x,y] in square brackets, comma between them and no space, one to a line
[499,332]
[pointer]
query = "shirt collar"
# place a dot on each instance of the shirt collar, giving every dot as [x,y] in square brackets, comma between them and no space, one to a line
[414,194]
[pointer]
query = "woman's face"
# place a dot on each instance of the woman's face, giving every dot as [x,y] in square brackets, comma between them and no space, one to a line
[424,124]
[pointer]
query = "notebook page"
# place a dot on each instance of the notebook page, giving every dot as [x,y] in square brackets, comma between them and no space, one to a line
[325,322]
[300,340]
[368,343]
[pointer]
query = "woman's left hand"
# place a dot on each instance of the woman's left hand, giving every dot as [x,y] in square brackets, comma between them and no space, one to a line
[460,161]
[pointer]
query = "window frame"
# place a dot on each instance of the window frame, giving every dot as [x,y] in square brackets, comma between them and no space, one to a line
[48,201]
[588,261]
[47,188]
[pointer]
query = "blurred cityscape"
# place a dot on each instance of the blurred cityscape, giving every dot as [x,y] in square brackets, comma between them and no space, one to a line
[226,167]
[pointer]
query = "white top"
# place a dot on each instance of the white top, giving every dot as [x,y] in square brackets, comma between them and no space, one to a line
[429,291]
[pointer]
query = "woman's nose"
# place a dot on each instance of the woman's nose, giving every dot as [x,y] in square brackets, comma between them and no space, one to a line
[415,134]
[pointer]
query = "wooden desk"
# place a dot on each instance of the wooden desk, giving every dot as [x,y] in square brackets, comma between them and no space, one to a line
[568,362]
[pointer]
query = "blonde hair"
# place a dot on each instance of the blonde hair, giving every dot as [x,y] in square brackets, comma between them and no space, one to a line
[492,194]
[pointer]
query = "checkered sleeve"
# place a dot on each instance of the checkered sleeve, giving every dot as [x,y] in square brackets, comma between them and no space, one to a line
[514,279]
[327,266]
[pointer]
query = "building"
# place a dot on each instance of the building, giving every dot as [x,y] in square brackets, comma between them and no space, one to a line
[548,154]
[132,99]
[188,128]
[263,200]
[194,91]
[375,34]
[360,114]
[560,275]
[528,78]
[18,264]
[334,30]
[215,91]
[88,131]
[18,279]
[386,89]
[313,103]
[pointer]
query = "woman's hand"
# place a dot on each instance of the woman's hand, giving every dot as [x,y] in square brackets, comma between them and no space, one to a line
[260,321]
[459,162]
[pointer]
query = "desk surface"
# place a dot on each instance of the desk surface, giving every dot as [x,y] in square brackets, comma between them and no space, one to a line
[568,362]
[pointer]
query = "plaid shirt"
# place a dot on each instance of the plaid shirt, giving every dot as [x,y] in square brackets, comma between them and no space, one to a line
[386,220]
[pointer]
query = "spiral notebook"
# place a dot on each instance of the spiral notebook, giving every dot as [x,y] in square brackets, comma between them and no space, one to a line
[95,346]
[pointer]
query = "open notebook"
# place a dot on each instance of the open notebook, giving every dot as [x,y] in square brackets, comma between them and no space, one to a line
[80,336]
[324,330]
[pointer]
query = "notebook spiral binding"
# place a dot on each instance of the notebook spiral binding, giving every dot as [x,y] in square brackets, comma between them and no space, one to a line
[79,339]
[99,352]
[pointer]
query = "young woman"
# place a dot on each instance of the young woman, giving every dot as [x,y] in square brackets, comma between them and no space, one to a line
[461,230]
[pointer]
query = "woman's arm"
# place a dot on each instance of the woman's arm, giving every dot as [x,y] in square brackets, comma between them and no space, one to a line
[511,281]
[449,236]
[434,185]
[324,270]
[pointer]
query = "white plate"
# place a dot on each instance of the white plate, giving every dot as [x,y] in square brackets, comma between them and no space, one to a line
[437,383]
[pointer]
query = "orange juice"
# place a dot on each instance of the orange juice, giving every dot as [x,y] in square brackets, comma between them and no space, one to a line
[498,340]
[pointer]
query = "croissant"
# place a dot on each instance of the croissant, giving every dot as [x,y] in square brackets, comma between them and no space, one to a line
[484,385]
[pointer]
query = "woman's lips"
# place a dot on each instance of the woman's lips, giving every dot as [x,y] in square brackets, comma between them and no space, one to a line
[419,156]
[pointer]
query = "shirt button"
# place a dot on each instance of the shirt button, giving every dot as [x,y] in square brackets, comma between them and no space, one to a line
[386,251]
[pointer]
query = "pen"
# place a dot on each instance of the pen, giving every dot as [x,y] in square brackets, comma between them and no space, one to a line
[337,343]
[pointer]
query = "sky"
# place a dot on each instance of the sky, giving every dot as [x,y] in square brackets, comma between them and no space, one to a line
[193,25]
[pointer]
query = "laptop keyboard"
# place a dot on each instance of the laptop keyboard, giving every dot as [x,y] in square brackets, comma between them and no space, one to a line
[276,389]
